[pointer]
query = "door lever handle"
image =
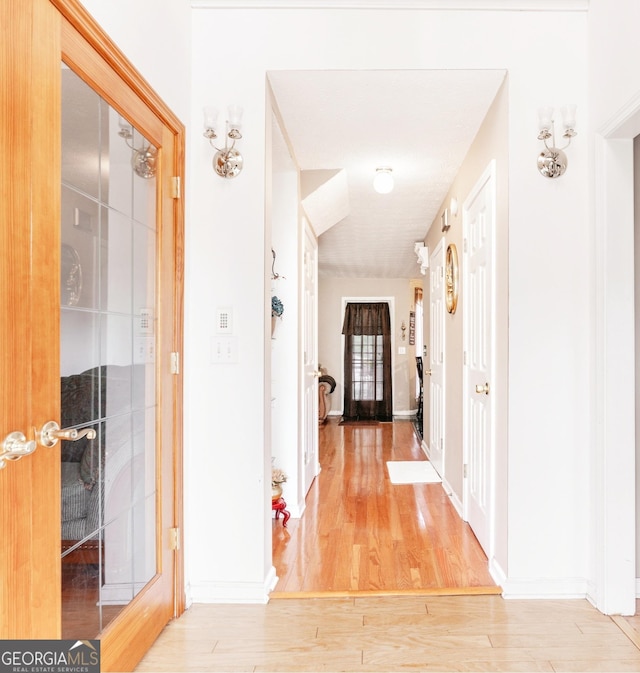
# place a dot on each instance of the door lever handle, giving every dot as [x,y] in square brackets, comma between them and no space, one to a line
[51,432]
[14,446]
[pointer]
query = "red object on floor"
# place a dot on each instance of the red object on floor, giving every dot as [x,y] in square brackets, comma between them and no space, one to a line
[280,505]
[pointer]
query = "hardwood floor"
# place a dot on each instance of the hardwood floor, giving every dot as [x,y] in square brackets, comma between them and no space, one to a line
[394,633]
[404,544]
[361,533]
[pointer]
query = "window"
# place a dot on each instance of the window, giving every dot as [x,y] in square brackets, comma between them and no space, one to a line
[366,367]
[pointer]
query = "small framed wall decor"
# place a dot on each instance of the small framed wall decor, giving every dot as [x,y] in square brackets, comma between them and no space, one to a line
[444,219]
[451,278]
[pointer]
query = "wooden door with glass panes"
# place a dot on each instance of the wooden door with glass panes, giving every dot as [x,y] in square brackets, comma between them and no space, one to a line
[90,295]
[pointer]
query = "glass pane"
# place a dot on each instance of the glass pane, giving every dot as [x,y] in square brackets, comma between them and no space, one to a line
[108,342]
[367,368]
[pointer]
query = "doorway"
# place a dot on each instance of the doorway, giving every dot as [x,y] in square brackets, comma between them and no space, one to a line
[614,516]
[283,94]
[367,362]
[479,226]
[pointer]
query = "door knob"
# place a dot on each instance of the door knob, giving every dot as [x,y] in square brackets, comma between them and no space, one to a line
[483,388]
[51,432]
[15,446]
[427,372]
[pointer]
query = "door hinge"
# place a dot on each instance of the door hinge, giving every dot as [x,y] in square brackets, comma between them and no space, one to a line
[464,358]
[464,471]
[176,187]
[174,539]
[175,363]
[464,245]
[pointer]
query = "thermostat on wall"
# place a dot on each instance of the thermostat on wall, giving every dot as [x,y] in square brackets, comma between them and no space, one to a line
[224,321]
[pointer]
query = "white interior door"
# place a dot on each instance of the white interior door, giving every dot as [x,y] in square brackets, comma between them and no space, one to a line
[479,227]
[310,356]
[436,358]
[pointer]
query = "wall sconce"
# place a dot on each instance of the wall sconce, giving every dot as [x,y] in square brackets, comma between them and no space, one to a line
[227,161]
[383,180]
[422,251]
[403,329]
[453,206]
[144,158]
[552,162]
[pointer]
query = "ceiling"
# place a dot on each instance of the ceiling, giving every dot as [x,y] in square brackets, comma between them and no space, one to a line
[342,124]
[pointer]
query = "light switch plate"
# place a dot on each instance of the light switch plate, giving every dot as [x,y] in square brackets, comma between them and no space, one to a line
[224,350]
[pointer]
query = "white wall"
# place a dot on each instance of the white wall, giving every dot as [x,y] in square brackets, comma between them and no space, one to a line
[227,432]
[636,250]
[156,37]
[549,338]
[285,241]
[614,104]
[330,340]
[489,145]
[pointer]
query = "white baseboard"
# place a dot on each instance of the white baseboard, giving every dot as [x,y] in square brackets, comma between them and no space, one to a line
[425,448]
[453,497]
[233,592]
[497,573]
[637,587]
[569,587]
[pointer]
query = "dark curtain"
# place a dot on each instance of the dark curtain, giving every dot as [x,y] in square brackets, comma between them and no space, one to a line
[367,362]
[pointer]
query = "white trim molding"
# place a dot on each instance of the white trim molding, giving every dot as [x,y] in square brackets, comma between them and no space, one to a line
[544,587]
[613,586]
[447,5]
[233,592]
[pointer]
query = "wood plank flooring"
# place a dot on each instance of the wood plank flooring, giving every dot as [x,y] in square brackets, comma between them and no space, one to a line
[394,633]
[361,533]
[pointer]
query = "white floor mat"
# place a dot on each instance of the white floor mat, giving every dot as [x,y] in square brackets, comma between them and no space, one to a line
[412,472]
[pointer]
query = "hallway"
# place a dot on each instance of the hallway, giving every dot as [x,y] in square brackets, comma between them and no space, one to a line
[361,533]
[379,557]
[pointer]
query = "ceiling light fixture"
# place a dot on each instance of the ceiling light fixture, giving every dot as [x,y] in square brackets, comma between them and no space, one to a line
[552,162]
[383,180]
[227,161]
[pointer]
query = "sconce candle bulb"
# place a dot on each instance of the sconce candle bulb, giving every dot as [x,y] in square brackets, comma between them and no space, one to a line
[210,122]
[227,161]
